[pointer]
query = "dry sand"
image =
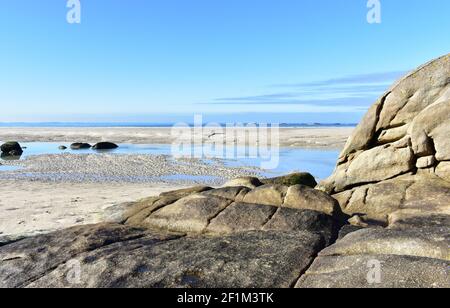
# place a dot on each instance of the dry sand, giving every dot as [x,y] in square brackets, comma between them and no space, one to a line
[29,208]
[34,205]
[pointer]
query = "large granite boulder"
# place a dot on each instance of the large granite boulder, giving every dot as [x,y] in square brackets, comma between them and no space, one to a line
[396,162]
[393,175]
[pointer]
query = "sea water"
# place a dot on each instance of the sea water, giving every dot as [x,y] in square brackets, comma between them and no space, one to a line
[319,163]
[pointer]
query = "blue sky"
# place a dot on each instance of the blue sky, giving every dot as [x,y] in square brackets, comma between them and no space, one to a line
[162,60]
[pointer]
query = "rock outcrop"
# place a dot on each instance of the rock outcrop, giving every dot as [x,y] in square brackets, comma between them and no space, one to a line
[228,210]
[396,165]
[393,173]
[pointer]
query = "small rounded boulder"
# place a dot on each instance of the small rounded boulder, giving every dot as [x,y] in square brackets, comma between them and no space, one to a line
[80,146]
[11,148]
[105,146]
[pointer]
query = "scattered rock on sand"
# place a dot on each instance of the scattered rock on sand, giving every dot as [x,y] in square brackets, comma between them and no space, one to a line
[105,146]
[80,146]
[11,148]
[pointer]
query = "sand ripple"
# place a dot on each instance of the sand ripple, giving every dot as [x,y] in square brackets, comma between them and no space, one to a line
[124,168]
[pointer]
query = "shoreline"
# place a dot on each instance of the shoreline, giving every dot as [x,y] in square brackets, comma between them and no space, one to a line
[311,138]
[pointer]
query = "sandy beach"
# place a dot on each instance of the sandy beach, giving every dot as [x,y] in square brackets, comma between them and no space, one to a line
[51,192]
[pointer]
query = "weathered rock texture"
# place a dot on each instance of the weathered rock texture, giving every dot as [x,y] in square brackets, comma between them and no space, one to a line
[396,163]
[393,175]
[117,256]
[227,210]
[416,258]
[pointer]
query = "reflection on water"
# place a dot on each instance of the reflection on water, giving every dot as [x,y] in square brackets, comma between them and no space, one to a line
[320,163]
[9,157]
[9,168]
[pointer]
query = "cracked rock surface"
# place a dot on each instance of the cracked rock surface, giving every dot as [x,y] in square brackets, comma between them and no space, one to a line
[415,258]
[148,259]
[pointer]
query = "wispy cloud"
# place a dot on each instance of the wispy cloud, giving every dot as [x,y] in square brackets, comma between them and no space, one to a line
[357,91]
[267,97]
[342,101]
[383,78]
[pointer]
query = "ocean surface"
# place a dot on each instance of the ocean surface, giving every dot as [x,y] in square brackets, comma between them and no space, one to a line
[144,124]
[320,163]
